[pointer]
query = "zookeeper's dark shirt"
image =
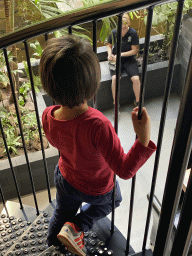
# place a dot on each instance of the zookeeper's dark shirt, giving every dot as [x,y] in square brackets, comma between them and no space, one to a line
[129,39]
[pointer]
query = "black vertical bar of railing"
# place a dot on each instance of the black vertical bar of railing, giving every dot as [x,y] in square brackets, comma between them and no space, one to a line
[145,58]
[118,69]
[37,118]
[70,30]
[141,101]
[10,163]
[182,239]
[143,82]
[95,50]
[3,200]
[130,215]
[46,37]
[167,91]
[95,36]
[20,127]
[167,220]
[176,171]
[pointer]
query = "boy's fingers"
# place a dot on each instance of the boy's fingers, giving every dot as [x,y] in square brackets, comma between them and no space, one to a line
[134,114]
[144,114]
[136,108]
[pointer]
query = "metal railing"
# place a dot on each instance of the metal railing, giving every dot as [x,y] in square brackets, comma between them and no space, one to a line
[183,134]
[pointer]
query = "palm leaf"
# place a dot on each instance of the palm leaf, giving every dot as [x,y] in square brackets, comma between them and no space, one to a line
[51,9]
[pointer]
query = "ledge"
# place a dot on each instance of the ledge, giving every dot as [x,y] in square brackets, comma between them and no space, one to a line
[155,84]
[22,174]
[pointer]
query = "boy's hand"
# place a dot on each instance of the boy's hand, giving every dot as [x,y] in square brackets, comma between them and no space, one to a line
[142,127]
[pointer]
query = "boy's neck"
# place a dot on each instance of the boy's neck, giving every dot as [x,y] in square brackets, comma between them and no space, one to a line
[65,113]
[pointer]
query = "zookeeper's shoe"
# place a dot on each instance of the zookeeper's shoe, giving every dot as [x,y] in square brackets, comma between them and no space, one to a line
[72,238]
[136,103]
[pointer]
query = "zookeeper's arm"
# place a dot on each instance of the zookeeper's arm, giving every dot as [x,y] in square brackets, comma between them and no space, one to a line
[109,51]
[133,51]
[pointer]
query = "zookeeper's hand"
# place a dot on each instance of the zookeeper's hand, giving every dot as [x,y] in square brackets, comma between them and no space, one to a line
[114,58]
[110,57]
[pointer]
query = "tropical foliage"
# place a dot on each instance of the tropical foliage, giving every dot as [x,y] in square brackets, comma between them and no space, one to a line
[165,15]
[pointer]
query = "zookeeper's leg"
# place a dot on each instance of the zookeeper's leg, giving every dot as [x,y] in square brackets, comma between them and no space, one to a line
[131,68]
[113,87]
[136,87]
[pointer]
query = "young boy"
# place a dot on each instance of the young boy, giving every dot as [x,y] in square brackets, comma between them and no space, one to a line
[90,150]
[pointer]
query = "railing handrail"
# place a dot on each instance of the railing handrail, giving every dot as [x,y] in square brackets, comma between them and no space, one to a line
[74,17]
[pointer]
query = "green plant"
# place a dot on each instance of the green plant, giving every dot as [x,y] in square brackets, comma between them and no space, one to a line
[134,13]
[12,141]
[48,8]
[165,15]
[37,48]
[26,87]
[37,83]
[3,112]
[31,131]
[10,126]
[23,93]
[108,23]
[77,31]
[29,120]
[4,79]
[9,123]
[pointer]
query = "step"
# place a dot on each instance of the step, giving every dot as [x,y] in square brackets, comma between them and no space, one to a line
[146,253]
[99,241]
[32,241]
[28,213]
[13,223]
[25,233]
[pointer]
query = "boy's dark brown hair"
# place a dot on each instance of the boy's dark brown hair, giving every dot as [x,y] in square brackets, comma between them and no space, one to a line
[69,70]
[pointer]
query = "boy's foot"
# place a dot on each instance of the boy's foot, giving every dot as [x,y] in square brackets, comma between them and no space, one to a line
[73,239]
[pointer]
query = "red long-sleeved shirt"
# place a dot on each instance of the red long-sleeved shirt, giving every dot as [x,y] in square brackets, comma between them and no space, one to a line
[91,152]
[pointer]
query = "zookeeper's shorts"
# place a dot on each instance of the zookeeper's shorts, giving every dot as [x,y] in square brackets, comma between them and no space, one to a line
[129,66]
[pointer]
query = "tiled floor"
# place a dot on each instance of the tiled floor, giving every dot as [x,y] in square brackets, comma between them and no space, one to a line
[144,175]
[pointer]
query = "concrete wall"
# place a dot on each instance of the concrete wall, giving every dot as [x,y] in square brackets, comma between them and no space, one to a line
[155,85]
[22,173]
[184,49]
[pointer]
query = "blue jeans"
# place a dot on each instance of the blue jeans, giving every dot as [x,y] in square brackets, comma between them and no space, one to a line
[69,200]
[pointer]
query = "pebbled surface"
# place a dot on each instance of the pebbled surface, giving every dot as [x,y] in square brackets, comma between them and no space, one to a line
[32,241]
[11,229]
[21,236]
